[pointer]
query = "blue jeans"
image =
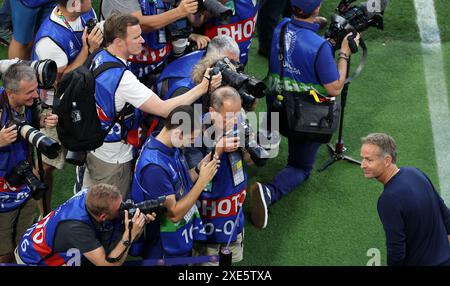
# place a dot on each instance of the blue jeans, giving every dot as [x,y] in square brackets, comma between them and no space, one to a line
[300,163]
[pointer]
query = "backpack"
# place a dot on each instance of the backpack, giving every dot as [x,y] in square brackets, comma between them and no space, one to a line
[78,87]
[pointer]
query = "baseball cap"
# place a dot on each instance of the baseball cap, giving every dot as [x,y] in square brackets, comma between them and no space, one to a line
[307,6]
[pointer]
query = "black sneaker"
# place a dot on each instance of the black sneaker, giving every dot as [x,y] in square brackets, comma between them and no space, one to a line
[261,200]
[79,174]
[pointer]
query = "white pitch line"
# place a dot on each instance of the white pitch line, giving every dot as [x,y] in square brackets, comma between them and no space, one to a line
[436,90]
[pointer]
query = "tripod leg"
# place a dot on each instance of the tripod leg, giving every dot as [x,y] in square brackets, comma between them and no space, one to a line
[351,160]
[331,149]
[328,163]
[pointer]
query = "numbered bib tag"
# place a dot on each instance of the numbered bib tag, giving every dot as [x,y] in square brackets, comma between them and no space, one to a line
[237,167]
[190,213]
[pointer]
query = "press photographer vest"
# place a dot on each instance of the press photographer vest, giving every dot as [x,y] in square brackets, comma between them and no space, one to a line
[10,156]
[302,43]
[106,85]
[175,75]
[178,74]
[153,51]
[176,238]
[36,3]
[36,246]
[68,40]
[220,206]
[240,26]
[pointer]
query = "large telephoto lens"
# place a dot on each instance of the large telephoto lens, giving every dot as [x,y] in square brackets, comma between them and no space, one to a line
[48,146]
[46,72]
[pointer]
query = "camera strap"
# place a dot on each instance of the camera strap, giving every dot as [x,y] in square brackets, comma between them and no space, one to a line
[206,99]
[64,20]
[118,258]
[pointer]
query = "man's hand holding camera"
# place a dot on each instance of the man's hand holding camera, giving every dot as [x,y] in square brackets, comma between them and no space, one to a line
[227,144]
[345,48]
[201,41]
[8,135]
[188,7]
[138,222]
[216,81]
[92,40]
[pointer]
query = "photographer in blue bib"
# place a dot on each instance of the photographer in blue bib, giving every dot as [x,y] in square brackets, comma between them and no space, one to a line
[64,37]
[118,90]
[162,23]
[220,204]
[94,227]
[177,76]
[307,64]
[233,18]
[18,184]
[161,170]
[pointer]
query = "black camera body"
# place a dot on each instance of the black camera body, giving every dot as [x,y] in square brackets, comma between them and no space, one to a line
[46,145]
[23,174]
[248,86]
[146,207]
[258,154]
[90,24]
[351,19]
[180,29]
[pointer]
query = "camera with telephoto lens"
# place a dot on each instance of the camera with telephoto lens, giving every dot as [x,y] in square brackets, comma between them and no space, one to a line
[258,154]
[47,145]
[178,33]
[146,207]
[351,19]
[248,86]
[46,70]
[23,174]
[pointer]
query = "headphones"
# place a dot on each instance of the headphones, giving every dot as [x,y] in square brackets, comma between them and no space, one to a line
[73,6]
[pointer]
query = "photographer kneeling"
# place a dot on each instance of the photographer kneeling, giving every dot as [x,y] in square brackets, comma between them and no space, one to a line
[307,65]
[88,227]
[17,211]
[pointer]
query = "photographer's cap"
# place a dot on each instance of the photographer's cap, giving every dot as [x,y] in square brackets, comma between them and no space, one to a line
[307,6]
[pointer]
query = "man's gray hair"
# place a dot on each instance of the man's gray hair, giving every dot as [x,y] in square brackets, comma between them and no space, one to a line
[385,142]
[15,74]
[221,94]
[223,45]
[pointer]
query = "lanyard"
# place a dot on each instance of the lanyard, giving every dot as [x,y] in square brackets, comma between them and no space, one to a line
[181,173]
[61,16]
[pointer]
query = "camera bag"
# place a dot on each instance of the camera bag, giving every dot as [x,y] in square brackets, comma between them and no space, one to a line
[78,86]
[304,116]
